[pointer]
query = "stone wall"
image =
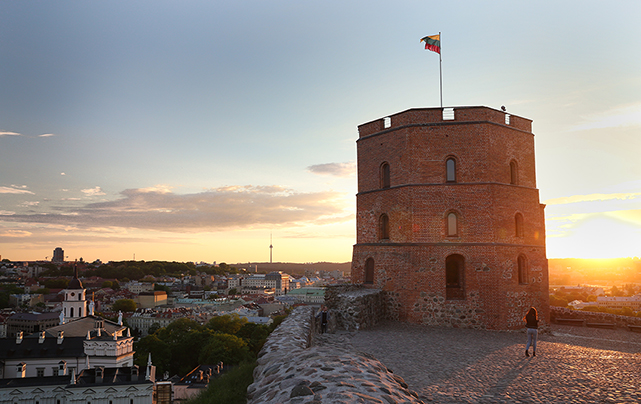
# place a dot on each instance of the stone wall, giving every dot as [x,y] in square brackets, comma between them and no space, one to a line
[291,370]
[354,307]
[592,317]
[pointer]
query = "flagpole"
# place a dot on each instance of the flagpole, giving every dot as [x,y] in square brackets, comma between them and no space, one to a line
[440,66]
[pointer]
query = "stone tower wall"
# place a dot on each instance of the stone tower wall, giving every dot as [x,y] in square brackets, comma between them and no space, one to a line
[410,264]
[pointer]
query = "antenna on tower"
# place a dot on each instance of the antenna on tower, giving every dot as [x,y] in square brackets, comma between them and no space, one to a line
[271,247]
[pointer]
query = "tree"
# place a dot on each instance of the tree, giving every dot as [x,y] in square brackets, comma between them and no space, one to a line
[615,291]
[177,330]
[226,348]
[107,284]
[124,305]
[254,335]
[153,328]
[232,291]
[227,324]
[160,353]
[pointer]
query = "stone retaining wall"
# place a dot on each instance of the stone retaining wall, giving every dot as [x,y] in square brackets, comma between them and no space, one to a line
[593,317]
[354,307]
[291,370]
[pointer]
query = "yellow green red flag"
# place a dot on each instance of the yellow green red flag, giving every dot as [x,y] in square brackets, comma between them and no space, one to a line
[433,43]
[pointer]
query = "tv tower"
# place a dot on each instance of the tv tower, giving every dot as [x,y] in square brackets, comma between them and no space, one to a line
[271,248]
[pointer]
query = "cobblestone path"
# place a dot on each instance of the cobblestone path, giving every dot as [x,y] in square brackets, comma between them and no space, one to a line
[445,365]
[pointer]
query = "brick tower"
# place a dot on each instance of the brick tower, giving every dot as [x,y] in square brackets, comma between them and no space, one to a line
[449,222]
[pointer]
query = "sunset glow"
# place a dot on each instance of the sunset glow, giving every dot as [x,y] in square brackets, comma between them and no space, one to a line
[192,131]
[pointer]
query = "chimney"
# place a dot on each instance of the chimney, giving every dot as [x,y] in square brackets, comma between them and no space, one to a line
[61,336]
[21,369]
[62,368]
[99,373]
[41,338]
[19,337]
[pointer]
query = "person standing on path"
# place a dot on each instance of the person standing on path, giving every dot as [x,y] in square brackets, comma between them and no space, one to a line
[532,323]
[324,319]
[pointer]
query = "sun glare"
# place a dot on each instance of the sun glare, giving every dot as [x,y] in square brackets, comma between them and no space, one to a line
[597,237]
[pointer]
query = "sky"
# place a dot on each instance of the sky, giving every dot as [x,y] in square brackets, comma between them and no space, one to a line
[206,130]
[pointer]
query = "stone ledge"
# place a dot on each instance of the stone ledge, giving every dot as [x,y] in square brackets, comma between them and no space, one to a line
[290,371]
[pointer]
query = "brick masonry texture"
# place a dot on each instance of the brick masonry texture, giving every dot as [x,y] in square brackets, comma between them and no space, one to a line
[409,265]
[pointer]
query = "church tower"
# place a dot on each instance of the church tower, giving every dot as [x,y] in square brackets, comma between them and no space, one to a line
[75,304]
[449,222]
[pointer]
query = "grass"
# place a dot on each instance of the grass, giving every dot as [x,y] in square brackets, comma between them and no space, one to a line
[230,388]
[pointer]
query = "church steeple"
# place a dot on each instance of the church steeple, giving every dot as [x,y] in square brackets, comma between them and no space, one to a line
[75,304]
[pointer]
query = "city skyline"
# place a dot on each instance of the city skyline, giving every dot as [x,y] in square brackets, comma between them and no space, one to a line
[193,131]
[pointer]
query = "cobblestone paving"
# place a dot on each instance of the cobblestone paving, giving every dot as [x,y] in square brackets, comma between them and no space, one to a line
[445,365]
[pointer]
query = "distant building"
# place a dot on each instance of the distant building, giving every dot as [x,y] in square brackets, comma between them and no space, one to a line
[75,304]
[139,287]
[196,381]
[95,385]
[610,302]
[308,295]
[25,299]
[31,322]
[146,300]
[58,255]
[143,319]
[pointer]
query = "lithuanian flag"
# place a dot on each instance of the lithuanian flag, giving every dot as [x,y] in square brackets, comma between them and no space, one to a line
[433,43]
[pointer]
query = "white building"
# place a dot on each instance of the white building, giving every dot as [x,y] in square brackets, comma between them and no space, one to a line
[98,385]
[308,295]
[80,341]
[610,302]
[139,287]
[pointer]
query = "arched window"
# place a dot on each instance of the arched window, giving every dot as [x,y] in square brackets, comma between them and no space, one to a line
[454,270]
[452,224]
[369,271]
[522,268]
[514,174]
[518,225]
[383,223]
[71,312]
[450,168]
[385,175]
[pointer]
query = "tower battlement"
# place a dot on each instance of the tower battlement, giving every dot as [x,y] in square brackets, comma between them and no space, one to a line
[444,116]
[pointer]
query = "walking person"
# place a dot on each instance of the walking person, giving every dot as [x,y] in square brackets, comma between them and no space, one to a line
[532,323]
[323,315]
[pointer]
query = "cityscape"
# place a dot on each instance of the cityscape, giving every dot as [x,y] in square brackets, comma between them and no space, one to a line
[319,202]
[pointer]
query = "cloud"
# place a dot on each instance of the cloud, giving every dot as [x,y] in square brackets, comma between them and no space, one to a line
[335,169]
[7,133]
[93,191]
[14,190]
[63,174]
[591,198]
[629,115]
[27,203]
[221,208]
